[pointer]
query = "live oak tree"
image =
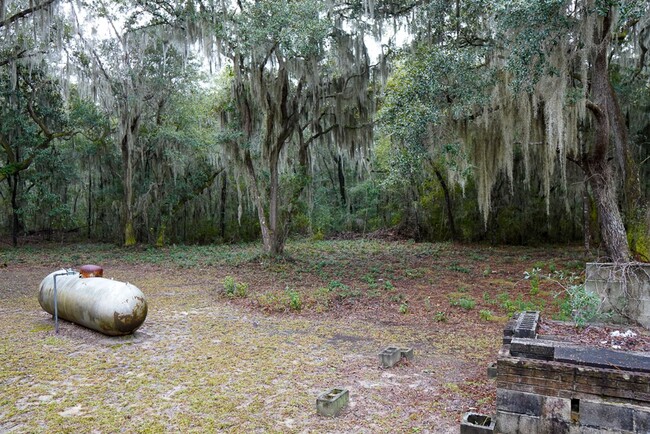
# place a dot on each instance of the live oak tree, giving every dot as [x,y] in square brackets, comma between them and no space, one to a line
[137,75]
[300,76]
[544,69]
[32,112]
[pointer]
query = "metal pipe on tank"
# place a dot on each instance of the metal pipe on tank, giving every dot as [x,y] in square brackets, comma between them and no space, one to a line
[56,306]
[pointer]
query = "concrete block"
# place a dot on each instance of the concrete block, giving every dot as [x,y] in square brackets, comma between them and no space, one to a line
[331,403]
[641,420]
[622,288]
[519,402]
[506,423]
[606,416]
[602,358]
[474,423]
[389,357]
[532,348]
[556,408]
[492,370]
[526,326]
[509,329]
[511,423]
[407,353]
[530,425]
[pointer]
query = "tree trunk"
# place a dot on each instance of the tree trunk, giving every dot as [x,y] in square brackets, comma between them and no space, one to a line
[14,181]
[448,203]
[90,202]
[611,224]
[127,145]
[341,176]
[222,205]
[586,219]
[257,200]
[597,166]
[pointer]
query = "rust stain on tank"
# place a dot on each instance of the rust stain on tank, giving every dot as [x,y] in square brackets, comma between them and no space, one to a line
[129,323]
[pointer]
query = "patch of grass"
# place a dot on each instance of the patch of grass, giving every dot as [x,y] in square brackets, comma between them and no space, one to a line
[474,256]
[343,292]
[461,300]
[440,316]
[518,304]
[467,303]
[455,266]
[486,315]
[42,328]
[321,299]
[415,273]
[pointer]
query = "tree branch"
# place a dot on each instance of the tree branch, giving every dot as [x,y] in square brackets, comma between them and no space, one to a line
[26,12]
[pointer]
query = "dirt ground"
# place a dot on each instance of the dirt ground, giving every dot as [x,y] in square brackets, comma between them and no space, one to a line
[206,361]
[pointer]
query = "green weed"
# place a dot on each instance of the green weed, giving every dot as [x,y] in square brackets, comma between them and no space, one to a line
[455,266]
[295,302]
[486,315]
[440,316]
[232,288]
[462,301]
[581,306]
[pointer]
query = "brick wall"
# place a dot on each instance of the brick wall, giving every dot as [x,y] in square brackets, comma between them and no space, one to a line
[538,394]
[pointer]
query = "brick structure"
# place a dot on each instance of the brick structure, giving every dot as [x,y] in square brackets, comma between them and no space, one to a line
[553,387]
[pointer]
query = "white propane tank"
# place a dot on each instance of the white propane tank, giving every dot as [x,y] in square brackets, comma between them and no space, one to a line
[108,306]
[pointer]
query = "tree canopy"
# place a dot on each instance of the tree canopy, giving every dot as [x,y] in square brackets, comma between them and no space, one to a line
[210,120]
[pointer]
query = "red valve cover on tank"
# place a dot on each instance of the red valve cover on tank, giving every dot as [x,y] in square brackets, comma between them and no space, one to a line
[91,271]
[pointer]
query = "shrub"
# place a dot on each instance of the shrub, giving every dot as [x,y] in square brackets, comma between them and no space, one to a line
[582,306]
[232,288]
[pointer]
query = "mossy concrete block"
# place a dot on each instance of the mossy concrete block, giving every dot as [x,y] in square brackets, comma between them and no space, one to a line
[514,401]
[532,348]
[389,357]
[615,417]
[492,370]
[474,423]
[331,403]
[407,353]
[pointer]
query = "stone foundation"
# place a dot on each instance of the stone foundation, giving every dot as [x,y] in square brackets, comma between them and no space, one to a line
[554,387]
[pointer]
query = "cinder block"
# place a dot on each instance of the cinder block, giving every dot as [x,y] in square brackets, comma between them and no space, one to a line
[474,423]
[519,402]
[530,425]
[527,324]
[492,370]
[509,329]
[407,353]
[606,416]
[389,357]
[331,403]
[510,423]
[507,423]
